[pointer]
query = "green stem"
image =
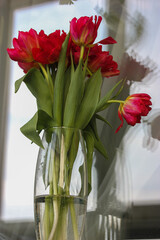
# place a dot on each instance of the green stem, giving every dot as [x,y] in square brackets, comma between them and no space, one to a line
[62,163]
[48,78]
[48,214]
[82,52]
[54,191]
[74,220]
[56,211]
[44,72]
[50,81]
[63,226]
[115,101]
[60,205]
[58,191]
[47,218]
[90,73]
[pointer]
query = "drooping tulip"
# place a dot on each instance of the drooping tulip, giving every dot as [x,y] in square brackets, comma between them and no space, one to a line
[133,108]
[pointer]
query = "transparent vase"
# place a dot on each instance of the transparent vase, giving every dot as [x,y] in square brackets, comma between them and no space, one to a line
[60,195]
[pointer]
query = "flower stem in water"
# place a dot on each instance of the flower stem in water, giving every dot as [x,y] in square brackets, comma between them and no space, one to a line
[74,220]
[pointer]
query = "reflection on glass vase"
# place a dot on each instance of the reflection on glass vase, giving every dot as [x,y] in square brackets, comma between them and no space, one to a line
[115,199]
[110,203]
[61,185]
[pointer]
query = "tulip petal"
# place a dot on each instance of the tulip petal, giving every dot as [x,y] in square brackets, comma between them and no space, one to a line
[121,118]
[132,119]
[108,40]
[18,55]
[27,66]
[111,73]
[73,31]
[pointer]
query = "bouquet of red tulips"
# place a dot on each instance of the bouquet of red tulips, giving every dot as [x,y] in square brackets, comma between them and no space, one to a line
[64,72]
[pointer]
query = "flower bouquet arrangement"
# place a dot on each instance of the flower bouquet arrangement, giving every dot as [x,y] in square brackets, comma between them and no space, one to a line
[64,72]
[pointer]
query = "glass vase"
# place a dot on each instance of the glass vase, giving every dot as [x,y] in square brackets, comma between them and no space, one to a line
[60,195]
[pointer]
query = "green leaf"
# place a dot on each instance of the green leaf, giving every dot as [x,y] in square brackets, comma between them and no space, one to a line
[103,119]
[29,130]
[100,147]
[67,84]
[73,153]
[39,121]
[44,120]
[59,84]
[93,125]
[73,97]
[45,168]
[72,65]
[120,89]
[90,149]
[18,83]
[97,142]
[85,64]
[90,100]
[103,101]
[38,86]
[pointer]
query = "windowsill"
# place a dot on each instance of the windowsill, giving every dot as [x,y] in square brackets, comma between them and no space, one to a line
[16,230]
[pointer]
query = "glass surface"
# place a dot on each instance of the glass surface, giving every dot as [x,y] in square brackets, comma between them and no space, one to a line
[60,194]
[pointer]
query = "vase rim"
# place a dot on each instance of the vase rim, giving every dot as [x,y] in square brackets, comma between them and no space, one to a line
[69,128]
[64,127]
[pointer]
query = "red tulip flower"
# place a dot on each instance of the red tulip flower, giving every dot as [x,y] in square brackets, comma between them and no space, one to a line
[84,31]
[31,48]
[50,47]
[101,59]
[133,108]
[23,46]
